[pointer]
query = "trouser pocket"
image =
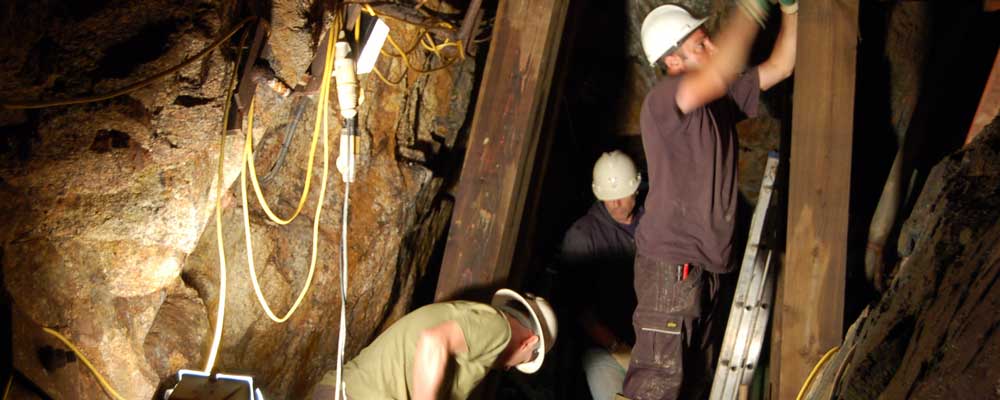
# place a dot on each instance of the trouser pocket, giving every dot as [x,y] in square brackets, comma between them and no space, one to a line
[662,288]
[656,369]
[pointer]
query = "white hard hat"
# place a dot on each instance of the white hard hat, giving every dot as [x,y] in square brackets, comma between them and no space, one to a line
[543,319]
[664,28]
[615,176]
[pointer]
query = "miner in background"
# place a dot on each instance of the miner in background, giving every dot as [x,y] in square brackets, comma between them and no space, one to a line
[443,350]
[596,261]
[688,130]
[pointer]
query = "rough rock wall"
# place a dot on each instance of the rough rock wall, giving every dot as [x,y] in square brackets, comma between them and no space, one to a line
[396,216]
[107,199]
[110,236]
[933,335]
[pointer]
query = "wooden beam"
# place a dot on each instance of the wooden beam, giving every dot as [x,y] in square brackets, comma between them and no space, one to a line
[989,104]
[498,163]
[819,187]
[247,86]
[524,261]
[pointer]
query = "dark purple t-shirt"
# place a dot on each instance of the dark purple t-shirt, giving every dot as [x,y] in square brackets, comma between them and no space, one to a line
[691,206]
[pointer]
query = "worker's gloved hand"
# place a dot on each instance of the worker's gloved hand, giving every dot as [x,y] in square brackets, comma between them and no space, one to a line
[755,9]
[788,6]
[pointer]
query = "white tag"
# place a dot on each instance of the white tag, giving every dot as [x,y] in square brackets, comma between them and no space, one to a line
[372,48]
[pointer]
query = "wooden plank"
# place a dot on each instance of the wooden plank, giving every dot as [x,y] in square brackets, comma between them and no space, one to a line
[774,362]
[989,104]
[470,24]
[819,186]
[498,163]
[247,86]
[524,260]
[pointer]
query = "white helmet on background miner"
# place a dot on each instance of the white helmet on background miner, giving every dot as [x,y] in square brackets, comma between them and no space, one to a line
[664,29]
[615,176]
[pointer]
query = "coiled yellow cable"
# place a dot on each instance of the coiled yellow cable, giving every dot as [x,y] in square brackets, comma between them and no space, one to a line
[305,189]
[100,379]
[327,69]
[135,86]
[247,155]
[321,117]
[424,39]
[406,59]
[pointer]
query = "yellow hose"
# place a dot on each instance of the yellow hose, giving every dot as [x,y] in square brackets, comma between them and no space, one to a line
[371,11]
[7,390]
[305,189]
[247,155]
[386,80]
[406,59]
[327,69]
[220,317]
[424,40]
[100,379]
[135,86]
[815,369]
[321,117]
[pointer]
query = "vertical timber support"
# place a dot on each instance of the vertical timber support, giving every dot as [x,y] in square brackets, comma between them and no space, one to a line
[812,305]
[498,163]
[989,104]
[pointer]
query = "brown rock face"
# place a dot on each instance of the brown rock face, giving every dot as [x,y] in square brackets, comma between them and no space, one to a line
[933,335]
[110,235]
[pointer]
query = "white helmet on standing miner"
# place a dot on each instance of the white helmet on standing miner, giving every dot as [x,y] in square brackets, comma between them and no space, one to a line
[664,29]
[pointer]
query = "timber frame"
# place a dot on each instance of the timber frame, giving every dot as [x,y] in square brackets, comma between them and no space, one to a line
[504,136]
[813,280]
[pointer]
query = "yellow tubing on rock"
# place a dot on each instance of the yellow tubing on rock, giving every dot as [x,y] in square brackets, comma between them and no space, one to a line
[100,379]
[320,110]
[321,119]
[220,317]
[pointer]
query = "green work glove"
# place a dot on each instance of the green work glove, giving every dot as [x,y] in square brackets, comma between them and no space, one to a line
[755,9]
[788,6]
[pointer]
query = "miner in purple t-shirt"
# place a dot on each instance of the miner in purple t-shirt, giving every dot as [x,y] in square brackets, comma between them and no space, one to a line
[688,132]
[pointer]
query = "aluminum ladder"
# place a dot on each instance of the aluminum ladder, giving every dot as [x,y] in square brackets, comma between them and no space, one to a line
[752,302]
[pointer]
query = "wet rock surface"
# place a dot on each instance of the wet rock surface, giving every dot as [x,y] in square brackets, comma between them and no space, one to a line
[933,334]
[110,236]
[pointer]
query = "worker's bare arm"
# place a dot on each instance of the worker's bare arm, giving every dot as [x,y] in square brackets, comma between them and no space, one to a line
[704,85]
[781,63]
[434,348]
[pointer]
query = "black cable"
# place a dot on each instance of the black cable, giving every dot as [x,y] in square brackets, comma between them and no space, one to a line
[289,133]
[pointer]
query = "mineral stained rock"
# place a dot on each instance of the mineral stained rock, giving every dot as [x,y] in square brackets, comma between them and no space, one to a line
[933,335]
[110,233]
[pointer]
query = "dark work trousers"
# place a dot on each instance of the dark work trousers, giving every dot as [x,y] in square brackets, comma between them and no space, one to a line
[671,332]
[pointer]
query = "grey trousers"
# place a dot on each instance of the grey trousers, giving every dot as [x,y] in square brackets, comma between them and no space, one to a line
[669,329]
